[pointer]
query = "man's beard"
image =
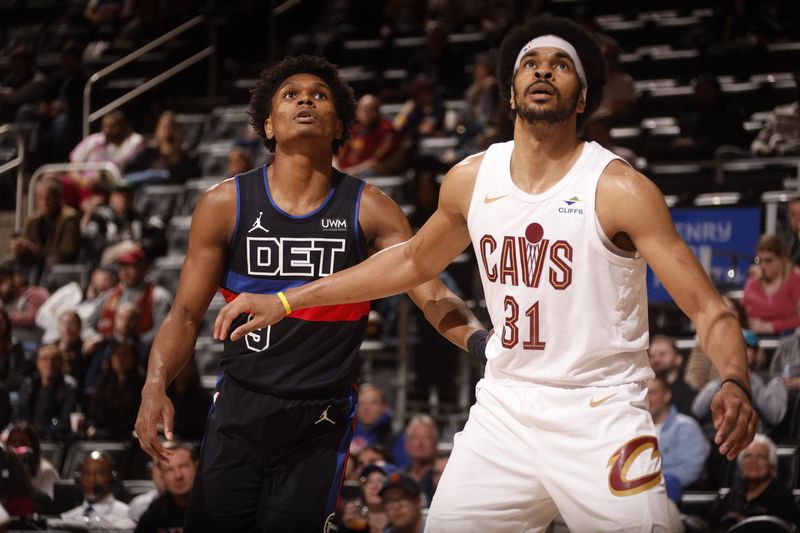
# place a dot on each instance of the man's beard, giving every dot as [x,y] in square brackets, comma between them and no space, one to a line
[532,113]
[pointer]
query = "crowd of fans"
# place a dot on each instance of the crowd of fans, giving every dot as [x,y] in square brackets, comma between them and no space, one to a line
[72,359]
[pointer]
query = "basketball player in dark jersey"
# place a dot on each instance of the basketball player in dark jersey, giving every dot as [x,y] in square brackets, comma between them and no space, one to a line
[277,435]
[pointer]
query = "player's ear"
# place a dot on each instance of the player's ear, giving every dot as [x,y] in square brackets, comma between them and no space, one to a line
[339,129]
[268,128]
[581,107]
[511,102]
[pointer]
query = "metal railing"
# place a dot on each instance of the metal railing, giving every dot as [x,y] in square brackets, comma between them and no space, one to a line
[17,162]
[89,117]
[105,166]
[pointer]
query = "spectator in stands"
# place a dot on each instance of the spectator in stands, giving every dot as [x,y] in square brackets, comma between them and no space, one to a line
[422,115]
[239,161]
[99,348]
[70,345]
[619,94]
[47,399]
[73,297]
[439,464]
[166,513]
[786,362]
[757,492]
[667,361]
[373,419]
[439,63]
[735,36]
[424,194]
[108,12]
[115,226]
[20,300]
[116,143]
[372,148]
[699,369]
[709,123]
[99,506]
[372,479]
[12,363]
[59,114]
[191,403]
[165,157]
[152,300]
[115,402]
[770,398]
[772,298]
[17,496]
[681,442]
[139,504]
[402,500]
[23,440]
[421,437]
[23,84]
[373,454]
[598,129]
[145,25]
[780,134]
[482,101]
[790,233]
[50,236]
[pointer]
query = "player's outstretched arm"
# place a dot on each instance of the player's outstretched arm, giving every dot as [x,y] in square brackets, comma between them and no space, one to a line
[391,271]
[386,225]
[630,204]
[175,340]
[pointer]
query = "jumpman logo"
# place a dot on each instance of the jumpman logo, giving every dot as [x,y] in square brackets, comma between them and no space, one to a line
[324,417]
[257,224]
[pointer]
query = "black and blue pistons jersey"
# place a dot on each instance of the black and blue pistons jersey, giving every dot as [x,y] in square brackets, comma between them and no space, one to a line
[312,350]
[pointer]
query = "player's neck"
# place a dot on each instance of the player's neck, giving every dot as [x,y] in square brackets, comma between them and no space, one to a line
[299,182]
[543,153]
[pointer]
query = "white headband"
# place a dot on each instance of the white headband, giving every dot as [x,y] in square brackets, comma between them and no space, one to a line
[552,41]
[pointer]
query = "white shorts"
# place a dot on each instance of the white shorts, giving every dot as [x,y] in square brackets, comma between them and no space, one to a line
[529,452]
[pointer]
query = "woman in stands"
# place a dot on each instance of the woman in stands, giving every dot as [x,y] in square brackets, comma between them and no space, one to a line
[165,156]
[771,297]
[757,491]
[23,440]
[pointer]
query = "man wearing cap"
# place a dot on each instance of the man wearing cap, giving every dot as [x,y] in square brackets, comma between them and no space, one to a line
[152,300]
[561,230]
[402,501]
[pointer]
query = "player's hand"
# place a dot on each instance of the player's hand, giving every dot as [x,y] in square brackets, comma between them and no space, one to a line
[264,310]
[734,419]
[155,410]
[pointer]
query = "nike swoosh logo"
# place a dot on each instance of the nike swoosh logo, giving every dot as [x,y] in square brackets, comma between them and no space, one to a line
[595,403]
[488,200]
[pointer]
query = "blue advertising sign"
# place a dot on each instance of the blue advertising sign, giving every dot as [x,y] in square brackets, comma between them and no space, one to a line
[722,238]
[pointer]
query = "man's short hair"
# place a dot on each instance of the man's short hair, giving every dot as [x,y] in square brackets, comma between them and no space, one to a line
[371,386]
[175,445]
[585,44]
[344,100]
[666,339]
[424,419]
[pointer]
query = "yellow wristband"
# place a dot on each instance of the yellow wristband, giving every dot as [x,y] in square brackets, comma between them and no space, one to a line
[285,302]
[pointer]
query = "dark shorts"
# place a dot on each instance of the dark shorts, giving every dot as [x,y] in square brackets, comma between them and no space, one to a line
[269,463]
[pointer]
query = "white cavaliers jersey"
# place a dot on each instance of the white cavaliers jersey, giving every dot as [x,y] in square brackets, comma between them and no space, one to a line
[568,307]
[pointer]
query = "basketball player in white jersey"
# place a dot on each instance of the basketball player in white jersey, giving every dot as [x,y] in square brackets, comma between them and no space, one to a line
[561,230]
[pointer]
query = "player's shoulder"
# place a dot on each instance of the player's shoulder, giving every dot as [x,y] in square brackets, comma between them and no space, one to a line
[621,182]
[223,191]
[462,176]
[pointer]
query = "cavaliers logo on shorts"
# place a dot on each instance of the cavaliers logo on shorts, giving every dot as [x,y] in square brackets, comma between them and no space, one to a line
[625,457]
